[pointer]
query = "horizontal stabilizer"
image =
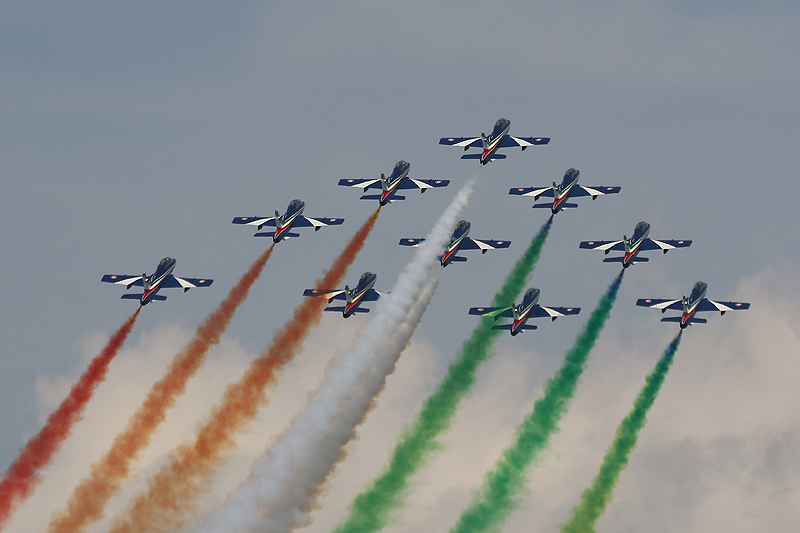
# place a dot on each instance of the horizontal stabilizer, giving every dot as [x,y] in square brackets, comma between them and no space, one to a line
[272,234]
[549,205]
[157,297]
[692,320]
[478,156]
[378,197]
[340,309]
[508,327]
[619,259]
[455,259]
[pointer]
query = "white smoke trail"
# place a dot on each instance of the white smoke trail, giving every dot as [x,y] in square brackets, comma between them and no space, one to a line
[284,482]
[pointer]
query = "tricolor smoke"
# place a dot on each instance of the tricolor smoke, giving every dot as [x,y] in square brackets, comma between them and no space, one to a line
[497,496]
[370,510]
[89,498]
[190,466]
[284,484]
[23,474]
[595,498]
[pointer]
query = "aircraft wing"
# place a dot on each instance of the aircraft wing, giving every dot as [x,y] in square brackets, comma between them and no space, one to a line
[411,242]
[307,222]
[540,311]
[465,142]
[675,305]
[372,295]
[652,244]
[512,142]
[255,221]
[536,192]
[474,244]
[361,183]
[173,282]
[127,281]
[329,294]
[496,312]
[711,305]
[423,185]
[594,192]
[606,246]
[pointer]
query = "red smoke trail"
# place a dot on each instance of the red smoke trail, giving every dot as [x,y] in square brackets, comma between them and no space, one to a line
[23,474]
[172,491]
[89,498]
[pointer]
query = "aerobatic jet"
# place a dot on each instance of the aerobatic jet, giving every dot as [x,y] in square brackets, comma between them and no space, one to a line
[631,247]
[161,279]
[363,292]
[499,138]
[695,303]
[528,308]
[398,180]
[460,241]
[292,218]
[568,188]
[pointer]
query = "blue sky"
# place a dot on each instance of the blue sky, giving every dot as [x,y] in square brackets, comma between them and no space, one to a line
[135,132]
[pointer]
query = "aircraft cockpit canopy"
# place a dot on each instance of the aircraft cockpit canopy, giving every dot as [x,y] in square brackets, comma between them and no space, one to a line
[295,203]
[367,275]
[166,261]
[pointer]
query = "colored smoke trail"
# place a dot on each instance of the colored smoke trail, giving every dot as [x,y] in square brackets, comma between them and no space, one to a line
[284,484]
[497,496]
[89,498]
[172,490]
[23,474]
[371,509]
[598,495]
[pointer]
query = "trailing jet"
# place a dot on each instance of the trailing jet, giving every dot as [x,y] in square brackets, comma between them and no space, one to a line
[398,180]
[292,218]
[569,188]
[696,302]
[528,308]
[161,279]
[638,243]
[499,138]
[460,241]
[363,292]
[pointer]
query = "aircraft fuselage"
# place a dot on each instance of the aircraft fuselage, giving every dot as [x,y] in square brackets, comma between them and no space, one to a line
[459,234]
[354,296]
[391,183]
[522,310]
[691,303]
[634,244]
[285,221]
[561,192]
[492,142]
[152,283]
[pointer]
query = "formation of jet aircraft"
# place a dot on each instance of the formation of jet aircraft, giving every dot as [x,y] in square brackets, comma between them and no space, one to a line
[162,278]
[398,180]
[460,241]
[639,242]
[499,138]
[568,189]
[528,308]
[292,218]
[363,292]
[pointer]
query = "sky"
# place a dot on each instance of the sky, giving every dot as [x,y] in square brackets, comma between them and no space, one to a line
[134,132]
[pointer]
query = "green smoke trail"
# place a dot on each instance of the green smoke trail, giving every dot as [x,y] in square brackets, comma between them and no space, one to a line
[370,510]
[498,493]
[595,498]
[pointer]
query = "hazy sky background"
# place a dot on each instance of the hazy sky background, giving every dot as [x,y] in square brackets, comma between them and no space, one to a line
[133,132]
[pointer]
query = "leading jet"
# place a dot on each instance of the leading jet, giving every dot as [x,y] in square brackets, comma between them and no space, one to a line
[398,180]
[631,247]
[696,302]
[161,279]
[363,292]
[499,138]
[528,308]
[460,241]
[568,188]
[292,218]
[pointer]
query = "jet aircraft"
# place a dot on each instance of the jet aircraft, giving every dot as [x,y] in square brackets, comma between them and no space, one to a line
[398,180]
[460,241]
[696,302]
[161,279]
[292,218]
[568,188]
[363,292]
[638,243]
[499,138]
[528,308]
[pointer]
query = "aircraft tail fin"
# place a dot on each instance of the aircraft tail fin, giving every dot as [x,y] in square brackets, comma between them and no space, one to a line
[278,221]
[384,182]
[145,282]
[484,140]
[348,294]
